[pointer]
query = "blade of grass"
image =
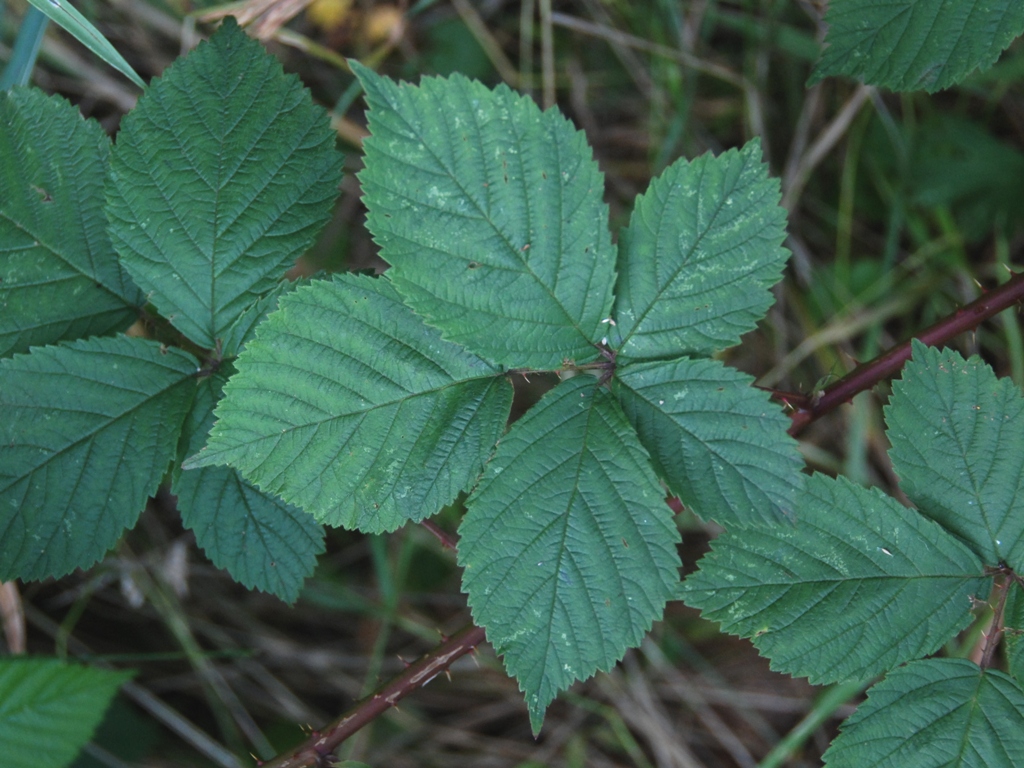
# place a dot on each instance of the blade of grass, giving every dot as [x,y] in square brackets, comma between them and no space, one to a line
[65,16]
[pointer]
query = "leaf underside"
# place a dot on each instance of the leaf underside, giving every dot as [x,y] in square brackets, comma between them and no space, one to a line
[909,45]
[221,177]
[491,215]
[858,585]
[567,544]
[59,278]
[935,712]
[347,405]
[88,432]
[957,435]
[718,443]
[701,252]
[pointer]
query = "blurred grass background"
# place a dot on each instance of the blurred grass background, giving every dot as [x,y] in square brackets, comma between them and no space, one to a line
[902,208]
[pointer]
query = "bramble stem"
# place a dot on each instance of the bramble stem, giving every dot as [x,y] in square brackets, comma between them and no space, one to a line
[318,749]
[865,376]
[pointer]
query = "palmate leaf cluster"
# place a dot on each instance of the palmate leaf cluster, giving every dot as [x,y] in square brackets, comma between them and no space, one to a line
[372,402]
[219,178]
[862,584]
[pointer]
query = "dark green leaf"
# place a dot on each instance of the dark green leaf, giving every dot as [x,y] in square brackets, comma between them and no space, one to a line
[567,544]
[932,713]
[49,710]
[720,444]
[347,405]
[261,541]
[59,278]
[957,436]
[221,177]
[700,253]
[88,431]
[909,45]
[857,586]
[491,214]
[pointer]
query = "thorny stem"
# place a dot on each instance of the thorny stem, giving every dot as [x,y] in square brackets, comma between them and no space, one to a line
[863,377]
[996,632]
[318,749]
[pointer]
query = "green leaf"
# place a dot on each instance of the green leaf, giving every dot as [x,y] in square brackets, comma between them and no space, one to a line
[857,586]
[720,444]
[1013,637]
[88,432]
[957,435]
[65,15]
[491,214]
[49,710]
[347,405]
[567,543]
[936,712]
[700,253]
[243,330]
[59,278]
[221,177]
[907,45]
[262,542]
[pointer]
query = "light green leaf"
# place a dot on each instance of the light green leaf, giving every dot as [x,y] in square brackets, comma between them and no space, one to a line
[720,444]
[262,542]
[347,405]
[932,713]
[63,13]
[221,177]
[567,544]
[88,431]
[491,214]
[49,709]
[700,253]
[957,436]
[857,586]
[907,45]
[59,278]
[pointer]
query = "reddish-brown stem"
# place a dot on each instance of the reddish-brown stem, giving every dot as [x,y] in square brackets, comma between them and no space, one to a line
[865,376]
[318,748]
[442,536]
[996,632]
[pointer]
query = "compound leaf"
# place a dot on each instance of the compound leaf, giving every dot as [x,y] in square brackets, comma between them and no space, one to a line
[718,443]
[49,709]
[349,406]
[221,177]
[935,712]
[909,45]
[857,586]
[59,278]
[262,542]
[491,215]
[567,543]
[702,249]
[88,432]
[957,435]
